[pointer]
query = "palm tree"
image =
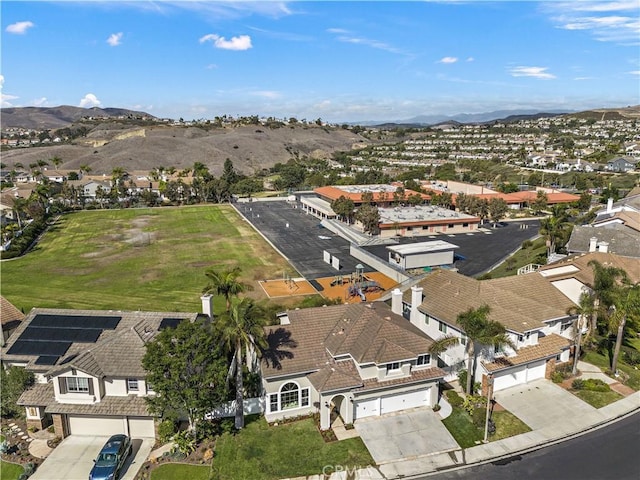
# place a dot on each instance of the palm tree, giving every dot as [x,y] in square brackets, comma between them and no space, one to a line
[626,304]
[241,329]
[479,330]
[584,310]
[225,282]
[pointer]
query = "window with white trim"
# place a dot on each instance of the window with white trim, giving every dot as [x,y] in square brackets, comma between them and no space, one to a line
[33,412]
[289,397]
[393,367]
[463,339]
[423,359]
[77,384]
[132,385]
[442,327]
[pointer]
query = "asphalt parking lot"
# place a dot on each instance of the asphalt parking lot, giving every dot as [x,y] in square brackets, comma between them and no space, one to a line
[302,240]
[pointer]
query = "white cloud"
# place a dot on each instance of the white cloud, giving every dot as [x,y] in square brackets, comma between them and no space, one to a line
[470,59]
[347,37]
[448,60]
[89,100]
[615,21]
[39,102]
[115,39]
[634,72]
[1,81]
[211,66]
[537,72]
[5,100]
[241,42]
[19,28]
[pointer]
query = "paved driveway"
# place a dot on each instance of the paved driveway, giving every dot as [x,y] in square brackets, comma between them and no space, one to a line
[73,458]
[542,404]
[406,435]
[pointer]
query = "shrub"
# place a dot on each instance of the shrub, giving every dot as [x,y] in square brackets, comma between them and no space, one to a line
[166,430]
[595,385]
[453,398]
[29,468]
[527,244]
[4,446]
[630,356]
[185,442]
[479,416]
[557,377]
[577,384]
[436,407]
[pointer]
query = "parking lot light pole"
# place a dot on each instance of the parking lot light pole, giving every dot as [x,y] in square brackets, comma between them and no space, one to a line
[489,395]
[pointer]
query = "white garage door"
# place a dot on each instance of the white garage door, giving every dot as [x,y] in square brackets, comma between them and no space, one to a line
[140,427]
[367,408]
[536,370]
[513,377]
[403,401]
[79,425]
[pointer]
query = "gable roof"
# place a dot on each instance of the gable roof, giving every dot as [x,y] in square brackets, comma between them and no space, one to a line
[317,337]
[9,314]
[583,272]
[520,303]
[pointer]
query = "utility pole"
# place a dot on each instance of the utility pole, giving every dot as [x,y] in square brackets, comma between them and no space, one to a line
[489,395]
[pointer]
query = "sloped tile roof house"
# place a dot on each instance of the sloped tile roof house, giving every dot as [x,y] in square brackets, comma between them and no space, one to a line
[355,360]
[87,363]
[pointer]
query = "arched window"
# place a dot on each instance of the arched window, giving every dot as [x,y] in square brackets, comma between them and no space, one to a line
[289,396]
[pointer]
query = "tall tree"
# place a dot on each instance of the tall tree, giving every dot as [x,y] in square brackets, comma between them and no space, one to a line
[369,216]
[241,330]
[343,207]
[478,330]
[584,310]
[626,304]
[187,367]
[497,209]
[225,282]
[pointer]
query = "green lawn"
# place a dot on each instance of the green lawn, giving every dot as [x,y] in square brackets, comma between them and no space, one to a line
[598,399]
[520,259]
[137,259]
[294,449]
[507,425]
[177,471]
[603,361]
[10,471]
[461,426]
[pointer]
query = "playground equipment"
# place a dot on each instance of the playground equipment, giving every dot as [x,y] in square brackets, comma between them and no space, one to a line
[360,283]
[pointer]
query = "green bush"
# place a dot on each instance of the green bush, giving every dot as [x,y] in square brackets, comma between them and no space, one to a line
[527,244]
[577,384]
[595,385]
[479,416]
[166,430]
[557,377]
[453,398]
[630,356]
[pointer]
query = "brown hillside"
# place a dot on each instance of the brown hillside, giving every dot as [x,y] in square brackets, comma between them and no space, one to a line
[251,148]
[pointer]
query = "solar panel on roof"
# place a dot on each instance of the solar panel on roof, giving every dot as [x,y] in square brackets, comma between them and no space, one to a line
[170,323]
[45,334]
[76,321]
[34,347]
[46,360]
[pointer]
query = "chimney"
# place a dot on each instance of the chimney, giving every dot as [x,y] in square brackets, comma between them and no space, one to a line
[609,205]
[416,301]
[396,301]
[207,304]
[593,242]
[603,247]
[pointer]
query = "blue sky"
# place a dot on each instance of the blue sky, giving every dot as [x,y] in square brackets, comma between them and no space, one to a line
[338,61]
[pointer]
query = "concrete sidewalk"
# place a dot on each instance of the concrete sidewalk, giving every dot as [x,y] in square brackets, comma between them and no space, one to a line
[550,433]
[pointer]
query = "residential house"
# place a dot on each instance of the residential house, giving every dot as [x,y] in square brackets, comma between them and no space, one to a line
[616,238]
[621,165]
[87,363]
[355,360]
[532,310]
[10,319]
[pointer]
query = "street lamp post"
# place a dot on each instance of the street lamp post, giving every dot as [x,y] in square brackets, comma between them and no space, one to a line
[489,395]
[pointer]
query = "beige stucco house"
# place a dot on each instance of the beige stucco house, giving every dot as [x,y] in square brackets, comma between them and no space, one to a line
[356,361]
[87,364]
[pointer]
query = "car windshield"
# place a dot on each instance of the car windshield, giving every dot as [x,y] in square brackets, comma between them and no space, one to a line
[106,460]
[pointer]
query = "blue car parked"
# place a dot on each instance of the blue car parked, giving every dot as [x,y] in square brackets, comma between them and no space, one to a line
[111,458]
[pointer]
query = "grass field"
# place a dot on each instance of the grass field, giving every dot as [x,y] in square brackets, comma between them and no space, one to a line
[138,259]
[10,471]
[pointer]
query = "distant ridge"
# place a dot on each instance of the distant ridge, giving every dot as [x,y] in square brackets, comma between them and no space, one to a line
[58,117]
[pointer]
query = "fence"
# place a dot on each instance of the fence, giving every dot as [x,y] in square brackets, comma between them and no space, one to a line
[251,406]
